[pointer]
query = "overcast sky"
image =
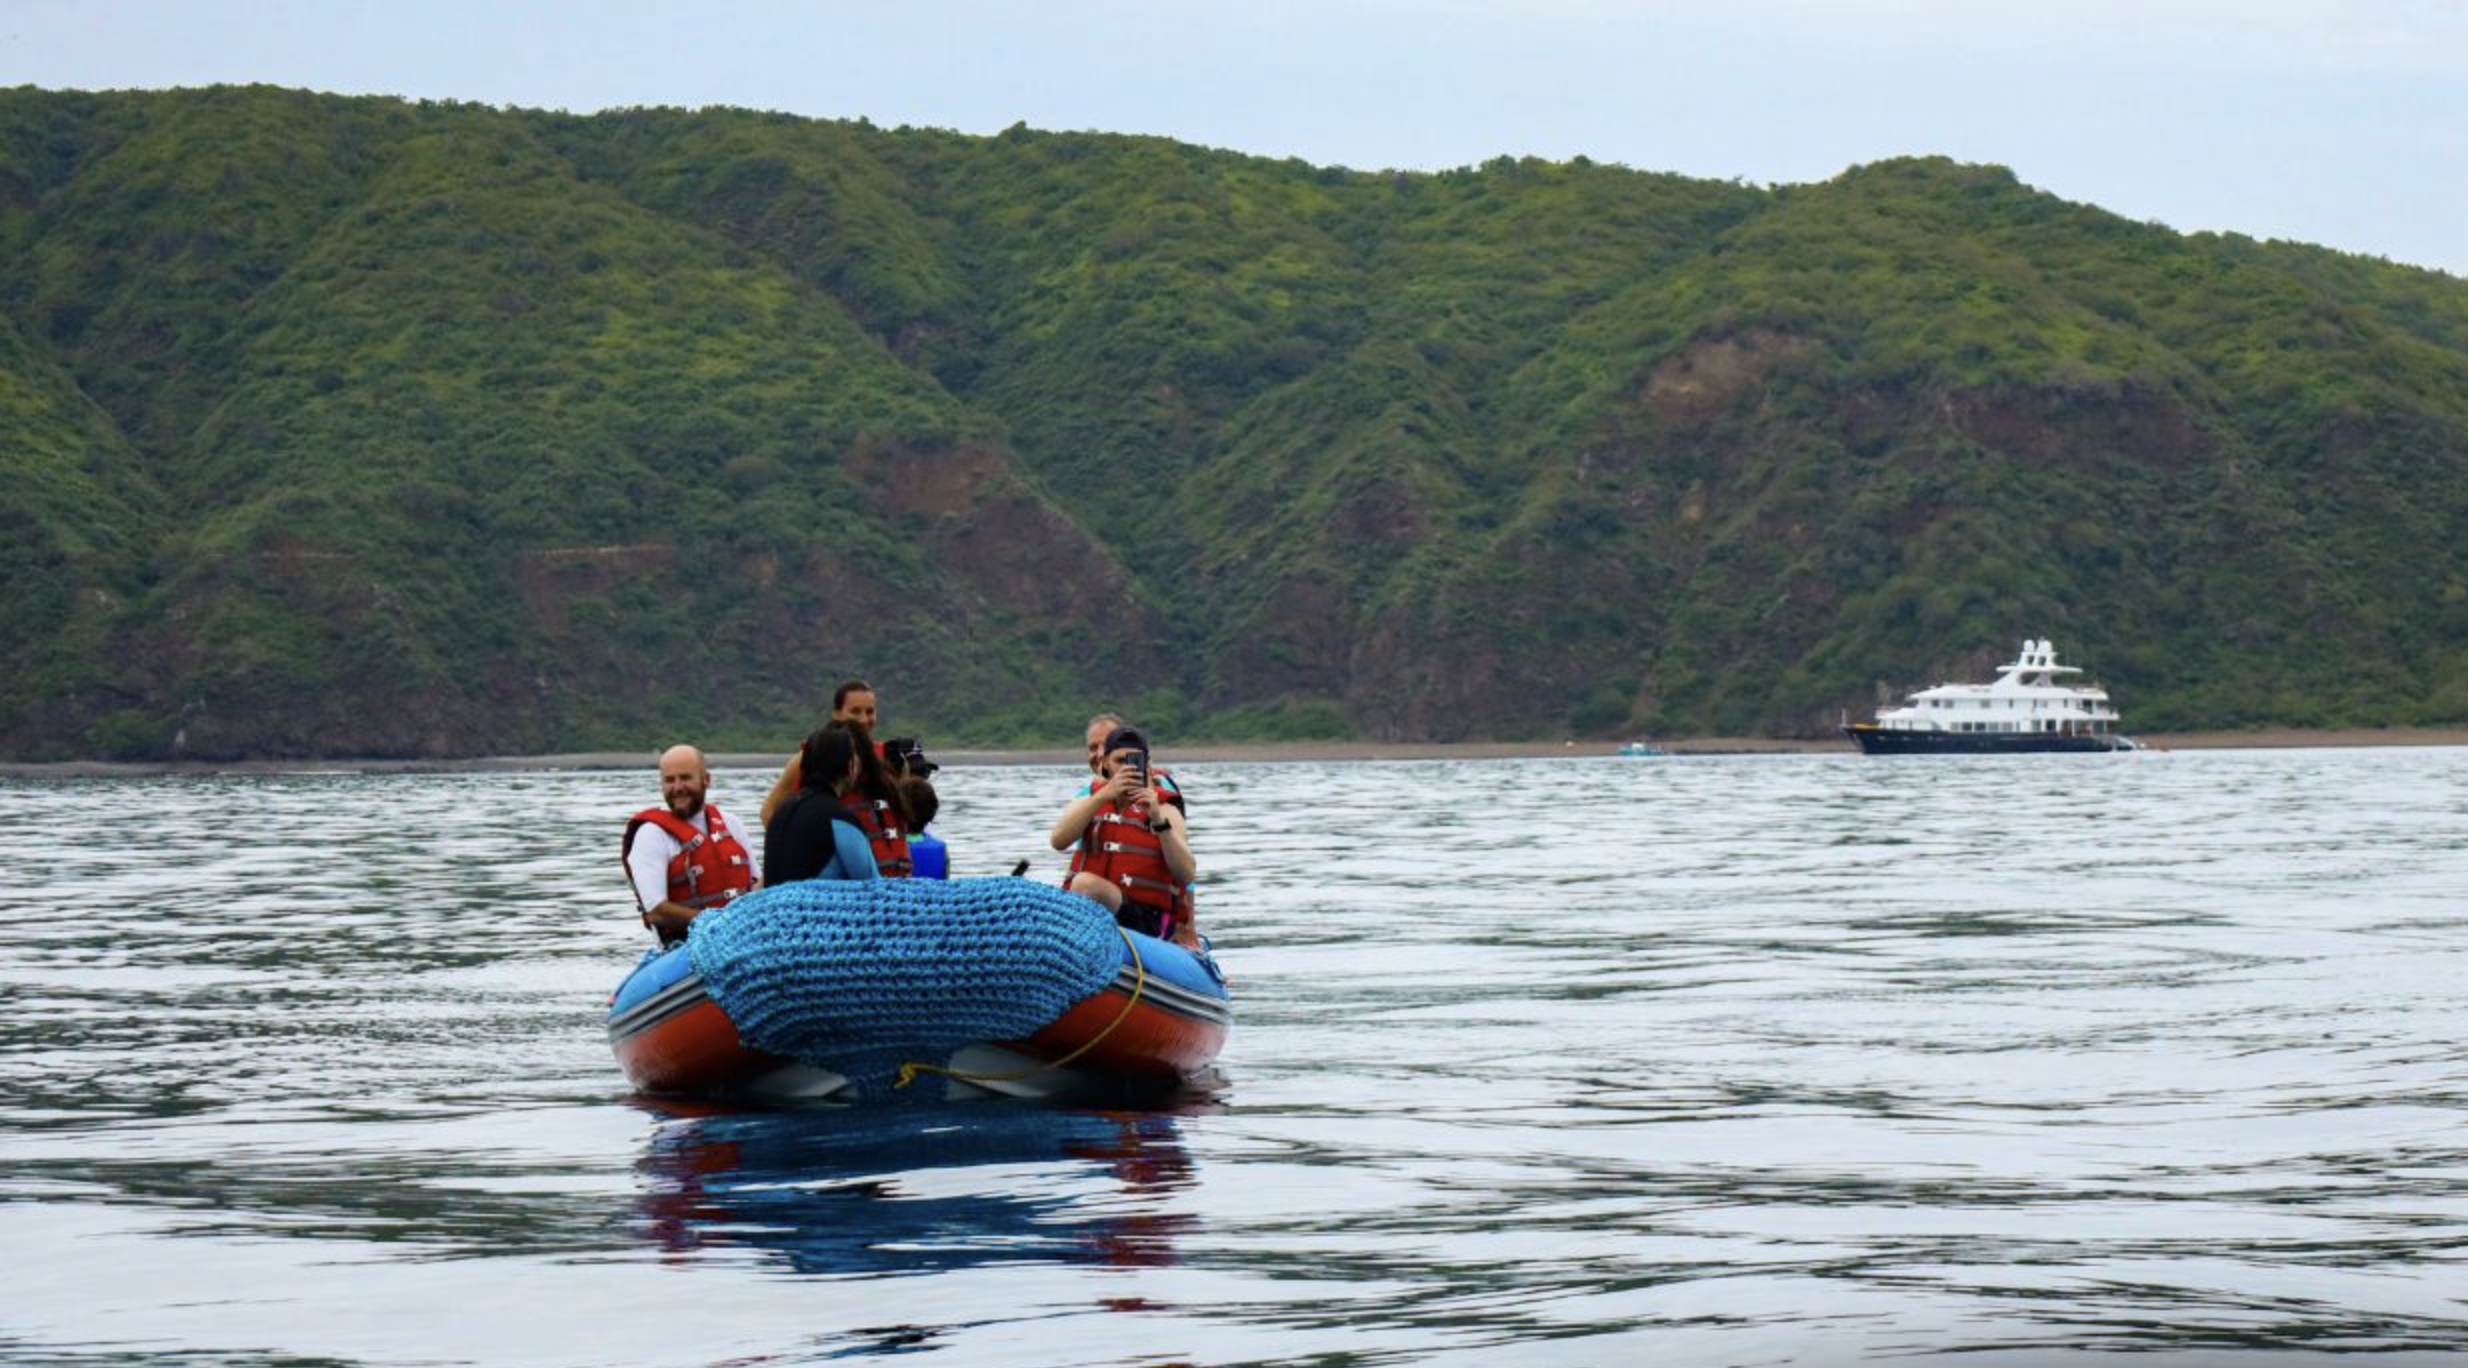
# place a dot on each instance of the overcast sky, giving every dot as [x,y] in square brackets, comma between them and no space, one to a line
[2338,123]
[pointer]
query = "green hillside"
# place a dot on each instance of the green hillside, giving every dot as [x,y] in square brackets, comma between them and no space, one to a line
[354,426]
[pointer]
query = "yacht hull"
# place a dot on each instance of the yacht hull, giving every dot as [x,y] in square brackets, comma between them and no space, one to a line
[1876,740]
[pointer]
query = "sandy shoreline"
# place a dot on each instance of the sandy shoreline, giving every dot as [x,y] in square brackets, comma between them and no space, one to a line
[2268,739]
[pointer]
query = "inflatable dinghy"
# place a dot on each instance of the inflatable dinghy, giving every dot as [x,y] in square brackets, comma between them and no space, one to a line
[825,989]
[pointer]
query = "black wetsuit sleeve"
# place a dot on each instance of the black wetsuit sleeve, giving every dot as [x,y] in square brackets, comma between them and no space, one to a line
[799,843]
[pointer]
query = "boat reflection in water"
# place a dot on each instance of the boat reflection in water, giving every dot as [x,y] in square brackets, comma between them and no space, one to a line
[915,1188]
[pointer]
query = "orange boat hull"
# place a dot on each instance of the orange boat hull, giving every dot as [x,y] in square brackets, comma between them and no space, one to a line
[1149,1040]
[693,1050]
[1162,1018]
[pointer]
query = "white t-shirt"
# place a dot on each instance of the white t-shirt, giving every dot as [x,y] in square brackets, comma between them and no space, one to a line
[647,862]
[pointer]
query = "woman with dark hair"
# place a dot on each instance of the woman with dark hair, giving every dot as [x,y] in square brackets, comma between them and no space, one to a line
[813,834]
[875,801]
[881,810]
[853,701]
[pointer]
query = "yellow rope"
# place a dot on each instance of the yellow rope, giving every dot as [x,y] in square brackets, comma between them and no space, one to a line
[1139,984]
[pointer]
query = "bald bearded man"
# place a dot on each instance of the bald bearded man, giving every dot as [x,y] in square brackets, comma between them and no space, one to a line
[682,857]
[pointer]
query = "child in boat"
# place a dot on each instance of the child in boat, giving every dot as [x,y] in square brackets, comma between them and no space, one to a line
[932,858]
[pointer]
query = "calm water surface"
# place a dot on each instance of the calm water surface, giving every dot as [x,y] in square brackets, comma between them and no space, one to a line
[1771,1060]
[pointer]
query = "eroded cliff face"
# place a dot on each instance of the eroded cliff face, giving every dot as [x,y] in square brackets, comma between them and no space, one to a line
[627,634]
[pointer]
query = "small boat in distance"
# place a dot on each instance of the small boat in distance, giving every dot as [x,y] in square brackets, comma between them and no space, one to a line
[2025,709]
[1636,749]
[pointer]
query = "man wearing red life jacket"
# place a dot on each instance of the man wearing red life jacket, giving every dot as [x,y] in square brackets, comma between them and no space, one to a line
[683,857]
[1100,727]
[1133,847]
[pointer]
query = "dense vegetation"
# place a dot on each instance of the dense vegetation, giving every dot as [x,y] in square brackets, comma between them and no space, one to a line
[354,426]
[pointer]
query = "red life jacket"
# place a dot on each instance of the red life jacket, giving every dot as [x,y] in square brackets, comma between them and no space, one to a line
[882,828]
[1119,847]
[708,868]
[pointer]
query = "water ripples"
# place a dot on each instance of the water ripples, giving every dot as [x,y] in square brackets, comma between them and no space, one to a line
[1718,1060]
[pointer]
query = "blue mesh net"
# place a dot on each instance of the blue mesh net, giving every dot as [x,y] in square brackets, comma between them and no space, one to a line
[861,977]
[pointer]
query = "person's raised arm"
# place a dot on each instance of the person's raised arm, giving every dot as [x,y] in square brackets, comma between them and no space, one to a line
[1167,821]
[792,777]
[1075,819]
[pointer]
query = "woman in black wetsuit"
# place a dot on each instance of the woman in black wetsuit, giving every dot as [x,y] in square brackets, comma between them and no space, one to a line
[813,835]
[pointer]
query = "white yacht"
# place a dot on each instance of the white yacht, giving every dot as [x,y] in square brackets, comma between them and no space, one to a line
[2024,709]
